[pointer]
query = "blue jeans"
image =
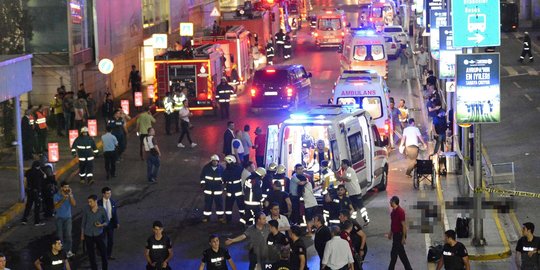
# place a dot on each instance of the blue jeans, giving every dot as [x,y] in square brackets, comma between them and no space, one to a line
[152,163]
[63,231]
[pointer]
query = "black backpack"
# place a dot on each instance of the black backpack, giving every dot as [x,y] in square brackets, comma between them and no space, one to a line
[462,227]
[434,253]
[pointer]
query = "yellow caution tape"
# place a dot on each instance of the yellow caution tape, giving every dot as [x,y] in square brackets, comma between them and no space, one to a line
[508,192]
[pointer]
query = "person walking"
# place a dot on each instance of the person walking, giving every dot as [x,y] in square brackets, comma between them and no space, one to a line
[396,125]
[298,249]
[276,241]
[270,52]
[280,42]
[223,96]
[28,134]
[134,80]
[41,129]
[322,236]
[440,126]
[35,178]
[68,110]
[107,109]
[153,154]
[350,180]
[358,237]
[253,195]
[53,259]
[119,130]
[528,248]
[184,115]
[216,257]
[111,209]
[455,255]
[63,203]
[212,185]
[168,111]
[411,143]
[94,221]
[144,122]
[110,144]
[158,251]
[287,48]
[232,177]
[228,137]
[404,55]
[58,111]
[246,143]
[177,103]
[257,234]
[85,148]
[526,49]
[337,253]
[260,146]
[422,59]
[398,235]
[80,108]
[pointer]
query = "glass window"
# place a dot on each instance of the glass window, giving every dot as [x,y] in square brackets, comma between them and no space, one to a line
[360,52]
[376,12]
[275,77]
[376,136]
[373,105]
[356,146]
[377,52]
[392,30]
[329,24]
[335,154]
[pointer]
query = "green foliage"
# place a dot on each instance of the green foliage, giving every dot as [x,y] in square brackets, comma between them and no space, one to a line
[15,26]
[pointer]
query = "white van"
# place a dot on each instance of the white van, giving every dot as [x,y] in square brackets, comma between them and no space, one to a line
[366,90]
[363,50]
[347,133]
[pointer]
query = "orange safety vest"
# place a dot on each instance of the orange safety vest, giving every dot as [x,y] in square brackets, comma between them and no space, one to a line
[41,120]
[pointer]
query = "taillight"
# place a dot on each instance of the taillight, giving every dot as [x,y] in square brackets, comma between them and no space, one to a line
[315,34]
[253,92]
[289,91]
[342,34]
[387,125]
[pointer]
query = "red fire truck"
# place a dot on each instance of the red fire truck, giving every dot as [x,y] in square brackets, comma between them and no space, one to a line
[263,25]
[200,72]
[235,46]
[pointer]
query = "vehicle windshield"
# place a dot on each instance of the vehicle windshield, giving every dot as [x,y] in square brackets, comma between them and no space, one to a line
[372,52]
[329,24]
[270,77]
[392,30]
[293,9]
[379,12]
[371,104]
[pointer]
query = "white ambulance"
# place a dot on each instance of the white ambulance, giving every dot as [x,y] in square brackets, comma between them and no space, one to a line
[363,50]
[330,27]
[347,134]
[366,90]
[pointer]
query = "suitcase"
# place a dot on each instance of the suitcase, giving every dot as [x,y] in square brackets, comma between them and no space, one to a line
[462,227]
[452,162]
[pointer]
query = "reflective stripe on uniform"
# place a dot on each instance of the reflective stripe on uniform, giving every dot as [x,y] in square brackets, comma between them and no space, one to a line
[82,159]
[252,203]
[209,192]
[239,193]
[207,213]
[220,213]
[218,192]
[229,194]
[237,181]
[90,158]
[228,212]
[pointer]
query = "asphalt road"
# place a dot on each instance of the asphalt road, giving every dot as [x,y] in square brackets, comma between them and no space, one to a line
[177,198]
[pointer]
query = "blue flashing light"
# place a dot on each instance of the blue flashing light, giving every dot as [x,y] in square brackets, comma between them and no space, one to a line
[298,116]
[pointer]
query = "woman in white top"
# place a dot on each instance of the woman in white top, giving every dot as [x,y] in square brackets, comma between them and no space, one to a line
[310,205]
[184,115]
[411,141]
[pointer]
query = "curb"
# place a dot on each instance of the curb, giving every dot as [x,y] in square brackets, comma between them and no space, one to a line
[16,209]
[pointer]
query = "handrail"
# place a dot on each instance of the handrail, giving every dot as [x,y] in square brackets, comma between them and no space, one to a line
[460,156]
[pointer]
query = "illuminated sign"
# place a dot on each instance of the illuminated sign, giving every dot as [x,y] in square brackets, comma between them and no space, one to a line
[73,134]
[53,152]
[105,66]
[150,91]
[124,103]
[358,92]
[186,29]
[138,99]
[92,127]
[159,41]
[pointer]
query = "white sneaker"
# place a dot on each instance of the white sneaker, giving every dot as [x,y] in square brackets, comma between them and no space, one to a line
[193,144]
[180,145]
[70,254]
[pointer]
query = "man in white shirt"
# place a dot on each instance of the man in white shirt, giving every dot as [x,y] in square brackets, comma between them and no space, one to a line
[411,141]
[337,253]
[350,180]
[3,262]
[283,222]
[249,168]
[422,59]
[246,142]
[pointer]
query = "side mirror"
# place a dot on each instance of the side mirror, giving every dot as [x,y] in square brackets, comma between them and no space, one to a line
[309,75]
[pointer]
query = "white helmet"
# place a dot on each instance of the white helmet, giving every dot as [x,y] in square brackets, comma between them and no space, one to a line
[272,167]
[280,169]
[84,129]
[260,171]
[214,157]
[230,159]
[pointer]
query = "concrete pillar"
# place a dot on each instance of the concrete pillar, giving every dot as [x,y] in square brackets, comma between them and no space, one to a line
[18,146]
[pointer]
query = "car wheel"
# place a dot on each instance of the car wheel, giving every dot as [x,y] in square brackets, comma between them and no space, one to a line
[384,180]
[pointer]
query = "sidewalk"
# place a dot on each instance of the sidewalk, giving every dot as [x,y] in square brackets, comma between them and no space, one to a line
[10,207]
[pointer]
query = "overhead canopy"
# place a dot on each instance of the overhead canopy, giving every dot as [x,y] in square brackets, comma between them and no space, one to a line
[15,76]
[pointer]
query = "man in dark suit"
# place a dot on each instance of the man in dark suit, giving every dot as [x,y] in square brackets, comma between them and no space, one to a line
[322,235]
[228,136]
[110,208]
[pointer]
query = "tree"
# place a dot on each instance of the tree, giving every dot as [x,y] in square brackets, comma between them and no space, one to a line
[15,28]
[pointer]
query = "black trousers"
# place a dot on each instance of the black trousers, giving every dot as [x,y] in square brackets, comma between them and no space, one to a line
[91,243]
[525,53]
[110,162]
[33,199]
[252,259]
[168,119]
[229,203]
[260,161]
[185,132]
[398,250]
[175,120]
[86,169]
[251,211]
[59,123]
[109,235]
[48,203]
[28,143]
[224,109]
[295,215]
[41,141]
[213,199]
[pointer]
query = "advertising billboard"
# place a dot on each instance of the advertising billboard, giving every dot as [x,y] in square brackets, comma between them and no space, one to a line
[478,88]
[447,64]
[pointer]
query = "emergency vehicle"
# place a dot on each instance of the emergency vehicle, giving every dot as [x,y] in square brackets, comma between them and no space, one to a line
[348,133]
[364,50]
[381,13]
[235,46]
[262,24]
[366,90]
[330,28]
[199,72]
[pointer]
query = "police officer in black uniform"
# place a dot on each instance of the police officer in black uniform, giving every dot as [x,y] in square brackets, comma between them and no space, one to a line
[223,96]
[270,51]
[335,201]
[253,195]
[232,177]
[526,48]
[35,178]
[212,184]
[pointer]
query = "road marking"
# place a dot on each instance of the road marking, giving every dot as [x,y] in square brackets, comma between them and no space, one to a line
[511,71]
[517,85]
[528,97]
[531,70]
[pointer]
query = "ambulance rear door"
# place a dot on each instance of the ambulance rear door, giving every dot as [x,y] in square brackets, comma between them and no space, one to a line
[272,151]
[356,146]
[367,140]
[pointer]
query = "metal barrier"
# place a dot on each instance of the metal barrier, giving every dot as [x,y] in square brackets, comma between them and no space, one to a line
[502,176]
